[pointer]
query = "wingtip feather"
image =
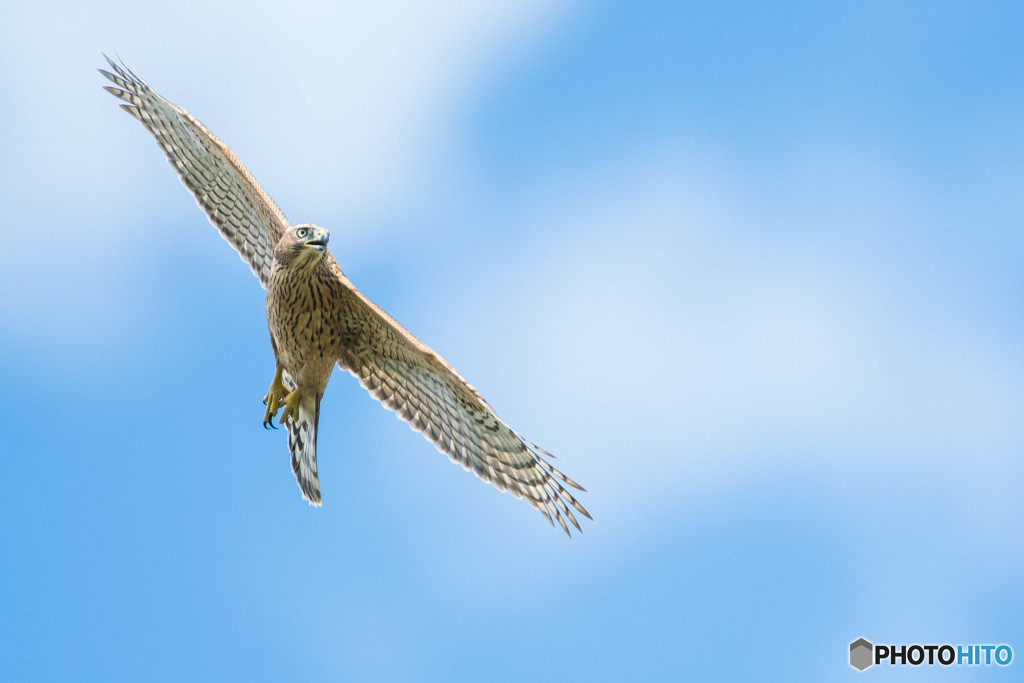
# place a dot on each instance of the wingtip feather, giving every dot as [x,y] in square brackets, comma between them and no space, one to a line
[132,109]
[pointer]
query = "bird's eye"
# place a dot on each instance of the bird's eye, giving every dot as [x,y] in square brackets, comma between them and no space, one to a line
[302,232]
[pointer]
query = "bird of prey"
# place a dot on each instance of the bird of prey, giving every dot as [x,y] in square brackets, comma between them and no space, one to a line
[317,319]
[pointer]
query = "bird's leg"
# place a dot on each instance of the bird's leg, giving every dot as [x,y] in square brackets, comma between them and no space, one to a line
[291,406]
[273,399]
[280,397]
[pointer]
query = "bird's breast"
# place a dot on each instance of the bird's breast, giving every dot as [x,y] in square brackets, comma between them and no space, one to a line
[301,319]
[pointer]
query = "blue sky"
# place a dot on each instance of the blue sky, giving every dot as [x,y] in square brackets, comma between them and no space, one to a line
[754,273]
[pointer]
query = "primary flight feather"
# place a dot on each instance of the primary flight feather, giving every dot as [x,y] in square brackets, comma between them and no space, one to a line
[318,319]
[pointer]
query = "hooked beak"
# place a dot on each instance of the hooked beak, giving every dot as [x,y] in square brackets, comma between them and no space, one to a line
[320,239]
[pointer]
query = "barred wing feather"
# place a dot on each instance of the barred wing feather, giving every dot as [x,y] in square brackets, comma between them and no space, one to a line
[412,380]
[234,202]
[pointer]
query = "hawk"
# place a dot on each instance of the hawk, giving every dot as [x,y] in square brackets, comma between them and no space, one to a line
[318,319]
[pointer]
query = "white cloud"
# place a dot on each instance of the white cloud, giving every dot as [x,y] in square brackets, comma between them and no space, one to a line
[683,341]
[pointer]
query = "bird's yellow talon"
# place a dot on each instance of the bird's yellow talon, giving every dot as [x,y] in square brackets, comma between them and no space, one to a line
[291,406]
[273,397]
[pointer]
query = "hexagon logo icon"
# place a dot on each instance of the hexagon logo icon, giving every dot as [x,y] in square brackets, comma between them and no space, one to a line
[861,654]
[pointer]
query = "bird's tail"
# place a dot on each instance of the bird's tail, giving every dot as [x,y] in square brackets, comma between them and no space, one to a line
[302,444]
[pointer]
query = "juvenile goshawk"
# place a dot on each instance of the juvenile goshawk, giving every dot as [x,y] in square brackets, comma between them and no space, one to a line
[318,318]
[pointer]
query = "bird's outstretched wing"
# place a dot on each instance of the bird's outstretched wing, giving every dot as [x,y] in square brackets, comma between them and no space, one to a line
[234,202]
[411,379]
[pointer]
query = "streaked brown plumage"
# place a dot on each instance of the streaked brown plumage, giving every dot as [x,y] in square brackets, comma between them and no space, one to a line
[317,319]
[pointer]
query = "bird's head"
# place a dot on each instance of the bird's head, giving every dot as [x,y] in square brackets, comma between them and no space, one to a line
[302,245]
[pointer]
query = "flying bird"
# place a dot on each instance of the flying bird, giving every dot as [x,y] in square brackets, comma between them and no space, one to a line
[318,319]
